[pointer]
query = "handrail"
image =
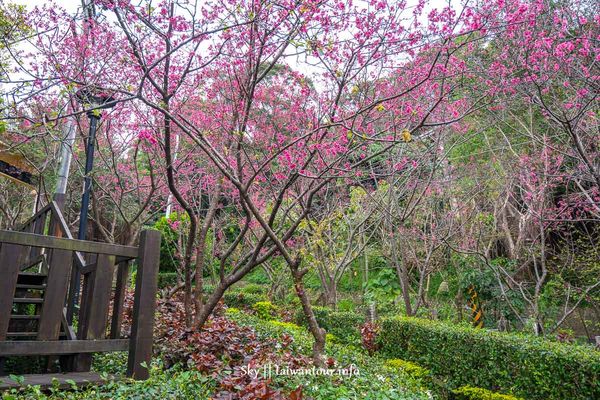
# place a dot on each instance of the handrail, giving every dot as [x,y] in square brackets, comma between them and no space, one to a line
[62,224]
[60,219]
[53,242]
[38,214]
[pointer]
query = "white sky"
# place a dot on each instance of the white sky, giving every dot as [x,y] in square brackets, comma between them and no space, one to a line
[70,5]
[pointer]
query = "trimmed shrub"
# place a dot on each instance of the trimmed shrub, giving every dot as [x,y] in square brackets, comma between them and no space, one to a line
[265,310]
[408,367]
[344,325]
[167,279]
[241,300]
[232,311]
[474,393]
[288,326]
[531,367]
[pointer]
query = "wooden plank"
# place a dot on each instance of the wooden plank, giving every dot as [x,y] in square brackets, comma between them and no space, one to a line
[63,381]
[144,305]
[9,271]
[32,261]
[56,292]
[96,305]
[117,312]
[53,347]
[39,225]
[31,239]
[98,308]
[28,300]
[29,222]
[91,267]
[68,329]
[60,222]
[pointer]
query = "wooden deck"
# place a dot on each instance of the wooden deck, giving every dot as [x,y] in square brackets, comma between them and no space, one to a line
[45,381]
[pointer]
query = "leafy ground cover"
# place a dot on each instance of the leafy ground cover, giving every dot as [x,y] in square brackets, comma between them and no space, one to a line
[215,363]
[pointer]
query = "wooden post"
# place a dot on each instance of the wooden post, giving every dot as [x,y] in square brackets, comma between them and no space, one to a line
[59,268]
[10,258]
[117,314]
[56,290]
[96,306]
[140,344]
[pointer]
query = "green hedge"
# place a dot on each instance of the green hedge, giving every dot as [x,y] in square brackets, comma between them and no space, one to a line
[167,279]
[241,300]
[474,393]
[530,367]
[343,324]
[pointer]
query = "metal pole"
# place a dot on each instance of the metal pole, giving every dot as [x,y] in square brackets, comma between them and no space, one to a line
[83,216]
[66,156]
[87,181]
[170,197]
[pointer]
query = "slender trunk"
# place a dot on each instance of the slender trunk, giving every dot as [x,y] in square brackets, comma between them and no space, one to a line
[201,248]
[208,307]
[187,259]
[402,273]
[317,332]
[331,294]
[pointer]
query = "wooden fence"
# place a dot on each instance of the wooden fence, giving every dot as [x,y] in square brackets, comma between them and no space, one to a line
[38,286]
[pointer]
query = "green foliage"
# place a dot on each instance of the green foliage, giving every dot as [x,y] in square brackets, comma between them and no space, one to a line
[346,305]
[265,310]
[344,325]
[287,326]
[493,300]
[475,393]
[241,300]
[253,288]
[530,367]
[167,279]
[232,311]
[383,287]
[408,367]
[114,363]
[258,276]
[375,382]
[170,384]
[169,251]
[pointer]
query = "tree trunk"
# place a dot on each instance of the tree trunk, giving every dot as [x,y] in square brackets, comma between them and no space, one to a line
[317,332]
[200,250]
[402,273]
[330,292]
[208,307]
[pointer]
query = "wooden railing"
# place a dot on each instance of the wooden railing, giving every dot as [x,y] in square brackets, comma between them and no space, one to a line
[46,244]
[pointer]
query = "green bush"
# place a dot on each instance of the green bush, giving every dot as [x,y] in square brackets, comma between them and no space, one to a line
[253,288]
[474,393]
[344,325]
[232,311]
[174,383]
[167,279]
[408,367]
[240,300]
[346,305]
[531,367]
[286,326]
[265,310]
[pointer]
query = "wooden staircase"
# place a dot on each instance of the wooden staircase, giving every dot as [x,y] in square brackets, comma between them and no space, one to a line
[27,306]
[37,266]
